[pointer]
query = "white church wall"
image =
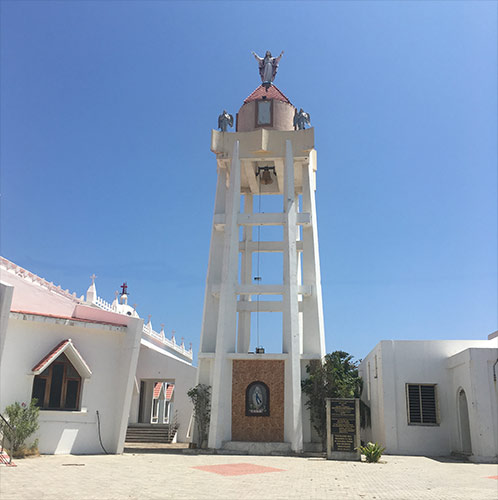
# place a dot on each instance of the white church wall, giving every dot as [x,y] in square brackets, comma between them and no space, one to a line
[6,292]
[156,364]
[111,352]
[393,364]
[472,371]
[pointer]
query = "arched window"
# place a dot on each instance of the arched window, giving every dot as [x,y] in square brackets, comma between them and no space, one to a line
[58,378]
[58,387]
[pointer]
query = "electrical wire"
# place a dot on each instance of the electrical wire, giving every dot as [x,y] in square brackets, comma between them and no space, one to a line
[258,277]
[100,437]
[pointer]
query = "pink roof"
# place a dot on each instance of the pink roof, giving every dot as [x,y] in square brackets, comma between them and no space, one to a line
[169,392]
[262,93]
[34,295]
[43,363]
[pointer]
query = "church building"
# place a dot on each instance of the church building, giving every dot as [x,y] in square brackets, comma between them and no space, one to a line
[95,369]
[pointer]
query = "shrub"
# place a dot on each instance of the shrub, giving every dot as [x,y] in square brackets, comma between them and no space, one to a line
[336,377]
[200,396]
[372,452]
[23,419]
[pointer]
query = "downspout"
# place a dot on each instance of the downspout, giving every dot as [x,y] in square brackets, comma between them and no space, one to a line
[494,371]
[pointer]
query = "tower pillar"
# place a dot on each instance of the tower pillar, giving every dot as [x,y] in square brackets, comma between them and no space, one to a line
[291,334]
[220,425]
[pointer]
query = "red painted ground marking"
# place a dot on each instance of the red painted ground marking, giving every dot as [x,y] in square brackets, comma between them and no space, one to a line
[237,469]
[492,477]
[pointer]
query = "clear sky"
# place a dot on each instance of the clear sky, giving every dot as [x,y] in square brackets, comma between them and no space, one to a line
[106,114]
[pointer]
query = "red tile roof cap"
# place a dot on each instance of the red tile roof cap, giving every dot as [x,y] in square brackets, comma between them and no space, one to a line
[67,347]
[169,392]
[157,389]
[270,93]
[50,356]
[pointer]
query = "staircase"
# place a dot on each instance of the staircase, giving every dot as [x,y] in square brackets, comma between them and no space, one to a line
[150,433]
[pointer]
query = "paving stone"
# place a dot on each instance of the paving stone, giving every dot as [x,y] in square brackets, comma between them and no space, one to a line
[158,476]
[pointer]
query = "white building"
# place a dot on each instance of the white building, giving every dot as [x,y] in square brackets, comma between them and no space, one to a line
[433,397]
[86,360]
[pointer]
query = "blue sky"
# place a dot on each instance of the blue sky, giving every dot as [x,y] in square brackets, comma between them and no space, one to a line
[106,113]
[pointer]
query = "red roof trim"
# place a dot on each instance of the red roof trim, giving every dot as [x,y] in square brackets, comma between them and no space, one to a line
[69,318]
[169,392]
[54,353]
[157,389]
[273,92]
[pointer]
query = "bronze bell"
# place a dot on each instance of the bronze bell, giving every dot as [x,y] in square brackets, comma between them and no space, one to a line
[266,177]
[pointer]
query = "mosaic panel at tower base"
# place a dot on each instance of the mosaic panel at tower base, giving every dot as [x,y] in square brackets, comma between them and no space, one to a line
[258,400]
[343,428]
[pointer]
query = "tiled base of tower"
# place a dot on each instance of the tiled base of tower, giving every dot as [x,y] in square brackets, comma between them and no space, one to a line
[267,426]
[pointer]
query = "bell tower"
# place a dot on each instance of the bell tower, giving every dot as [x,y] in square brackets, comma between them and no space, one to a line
[256,396]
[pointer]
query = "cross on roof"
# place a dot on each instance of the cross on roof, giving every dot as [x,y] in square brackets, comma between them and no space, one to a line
[124,288]
[92,277]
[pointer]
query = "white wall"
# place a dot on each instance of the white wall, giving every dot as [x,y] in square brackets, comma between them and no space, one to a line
[155,364]
[399,363]
[110,352]
[472,371]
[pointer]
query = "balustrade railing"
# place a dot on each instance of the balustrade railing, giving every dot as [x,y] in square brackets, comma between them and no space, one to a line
[5,423]
[103,304]
[170,343]
[24,273]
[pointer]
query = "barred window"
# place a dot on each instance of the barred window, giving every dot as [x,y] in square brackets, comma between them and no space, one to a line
[421,404]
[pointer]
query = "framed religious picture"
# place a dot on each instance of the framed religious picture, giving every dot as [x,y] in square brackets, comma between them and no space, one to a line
[264,113]
[257,400]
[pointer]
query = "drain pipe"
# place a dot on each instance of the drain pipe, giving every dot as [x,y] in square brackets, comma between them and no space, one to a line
[494,370]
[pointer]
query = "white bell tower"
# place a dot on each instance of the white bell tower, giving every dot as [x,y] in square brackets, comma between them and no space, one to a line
[256,397]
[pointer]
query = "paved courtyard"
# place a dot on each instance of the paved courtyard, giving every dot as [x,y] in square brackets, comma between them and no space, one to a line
[158,475]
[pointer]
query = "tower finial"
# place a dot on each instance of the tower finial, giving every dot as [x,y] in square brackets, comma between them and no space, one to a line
[91,293]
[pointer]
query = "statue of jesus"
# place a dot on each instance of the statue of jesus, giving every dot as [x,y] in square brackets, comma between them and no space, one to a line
[268,66]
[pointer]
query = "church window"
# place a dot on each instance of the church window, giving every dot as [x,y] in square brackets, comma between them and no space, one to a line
[421,403]
[58,387]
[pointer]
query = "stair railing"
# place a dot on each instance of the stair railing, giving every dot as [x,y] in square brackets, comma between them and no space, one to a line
[4,423]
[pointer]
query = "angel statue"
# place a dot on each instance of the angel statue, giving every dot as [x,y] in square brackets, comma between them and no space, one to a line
[225,120]
[301,118]
[268,66]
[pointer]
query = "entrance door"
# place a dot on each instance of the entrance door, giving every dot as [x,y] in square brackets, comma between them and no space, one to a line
[463,411]
[141,403]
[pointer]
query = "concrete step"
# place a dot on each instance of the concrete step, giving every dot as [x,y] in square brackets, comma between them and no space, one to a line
[257,448]
[150,434]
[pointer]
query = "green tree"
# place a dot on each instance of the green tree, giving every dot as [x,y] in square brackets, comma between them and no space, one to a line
[336,377]
[200,395]
[23,419]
